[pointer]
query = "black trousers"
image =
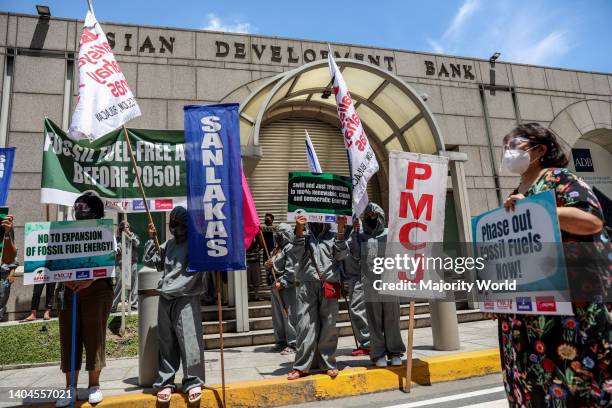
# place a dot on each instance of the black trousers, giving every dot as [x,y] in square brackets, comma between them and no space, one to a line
[50,288]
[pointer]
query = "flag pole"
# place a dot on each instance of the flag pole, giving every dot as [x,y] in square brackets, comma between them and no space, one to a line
[142,192]
[274,290]
[348,308]
[73,350]
[220,317]
[409,347]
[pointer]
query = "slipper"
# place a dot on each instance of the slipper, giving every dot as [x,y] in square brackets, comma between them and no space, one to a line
[360,351]
[164,395]
[332,372]
[195,394]
[28,319]
[295,374]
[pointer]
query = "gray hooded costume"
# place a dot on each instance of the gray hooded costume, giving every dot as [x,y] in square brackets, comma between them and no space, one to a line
[383,312]
[317,337]
[352,276]
[284,328]
[133,240]
[179,319]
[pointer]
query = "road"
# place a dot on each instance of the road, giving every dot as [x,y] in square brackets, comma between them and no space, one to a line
[480,392]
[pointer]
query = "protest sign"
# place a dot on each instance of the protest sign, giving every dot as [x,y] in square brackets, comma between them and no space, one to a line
[417,198]
[7,157]
[214,188]
[71,168]
[62,251]
[522,247]
[105,100]
[321,197]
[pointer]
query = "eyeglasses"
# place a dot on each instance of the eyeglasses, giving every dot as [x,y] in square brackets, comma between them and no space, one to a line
[516,143]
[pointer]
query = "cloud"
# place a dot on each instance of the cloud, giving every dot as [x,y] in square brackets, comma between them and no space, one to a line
[526,33]
[467,9]
[216,24]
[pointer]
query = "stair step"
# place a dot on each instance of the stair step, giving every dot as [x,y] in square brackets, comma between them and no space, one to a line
[266,336]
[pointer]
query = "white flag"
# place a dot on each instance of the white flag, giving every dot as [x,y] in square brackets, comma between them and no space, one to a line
[313,160]
[362,161]
[105,101]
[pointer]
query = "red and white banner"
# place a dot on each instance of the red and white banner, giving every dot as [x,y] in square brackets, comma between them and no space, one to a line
[417,197]
[105,102]
[362,160]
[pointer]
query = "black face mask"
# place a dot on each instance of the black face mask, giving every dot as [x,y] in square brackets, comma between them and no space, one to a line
[371,222]
[316,228]
[179,231]
[82,211]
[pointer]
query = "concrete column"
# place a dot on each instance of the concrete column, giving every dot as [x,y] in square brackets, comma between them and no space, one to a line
[148,346]
[241,298]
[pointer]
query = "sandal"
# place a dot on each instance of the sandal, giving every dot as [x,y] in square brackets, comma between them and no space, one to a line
[164,395]
[332,372]
[195,394]
[295,374]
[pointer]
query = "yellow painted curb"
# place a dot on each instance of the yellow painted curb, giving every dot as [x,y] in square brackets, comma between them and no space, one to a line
[350,381]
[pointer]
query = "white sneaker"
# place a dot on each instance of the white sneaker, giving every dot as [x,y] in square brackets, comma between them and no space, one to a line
[396,361]
[381,361]
[95,394]
[64,401]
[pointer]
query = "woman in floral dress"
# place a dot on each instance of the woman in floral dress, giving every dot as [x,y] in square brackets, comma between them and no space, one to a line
[560,361]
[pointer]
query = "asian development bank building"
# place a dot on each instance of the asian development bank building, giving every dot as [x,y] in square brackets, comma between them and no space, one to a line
[408,101]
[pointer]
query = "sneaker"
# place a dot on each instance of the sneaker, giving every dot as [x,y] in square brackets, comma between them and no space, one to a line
[360,351]
[381,361]
[95,395]
[64,401]
[287,350]
[396,361]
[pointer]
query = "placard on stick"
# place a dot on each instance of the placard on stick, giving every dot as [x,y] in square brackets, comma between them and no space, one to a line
[62,251]
[321,197]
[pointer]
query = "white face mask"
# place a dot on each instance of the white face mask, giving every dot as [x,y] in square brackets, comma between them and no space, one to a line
[516,161]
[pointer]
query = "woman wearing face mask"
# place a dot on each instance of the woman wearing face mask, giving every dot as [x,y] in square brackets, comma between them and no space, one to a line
[179,319]
[94,299]
[557,361]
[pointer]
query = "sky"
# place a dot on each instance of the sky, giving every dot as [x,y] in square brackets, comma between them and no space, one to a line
[574,34]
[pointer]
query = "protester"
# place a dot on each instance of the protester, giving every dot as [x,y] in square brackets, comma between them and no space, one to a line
[284,322]
[317,253]
[268,231]
[179,318]
[351,268]
[94,299]
[557,361]
[253,258]
[36,293]
[382,311]
[132,240]
[9,263]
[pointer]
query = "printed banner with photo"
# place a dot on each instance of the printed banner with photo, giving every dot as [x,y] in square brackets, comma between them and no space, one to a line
[62,251]
[214,188]
[321,197]
[417,197]
[523,247]
[104,167]
[7,158]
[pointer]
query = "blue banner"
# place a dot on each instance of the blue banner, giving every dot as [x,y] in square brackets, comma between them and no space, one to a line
[7,157]
[214,188]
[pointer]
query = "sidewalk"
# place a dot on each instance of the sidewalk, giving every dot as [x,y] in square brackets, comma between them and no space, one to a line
[243,363]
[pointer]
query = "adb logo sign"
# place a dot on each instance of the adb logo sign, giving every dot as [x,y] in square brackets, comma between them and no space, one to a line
[582,160]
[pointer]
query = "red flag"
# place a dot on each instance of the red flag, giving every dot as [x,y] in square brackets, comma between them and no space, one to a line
[249,213]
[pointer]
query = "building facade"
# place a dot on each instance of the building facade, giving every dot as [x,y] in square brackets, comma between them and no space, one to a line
[407,100]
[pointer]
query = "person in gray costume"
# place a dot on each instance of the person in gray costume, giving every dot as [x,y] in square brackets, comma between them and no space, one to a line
[131,239]
[382,311]
[179,319]
[284,326]
[357,308]
[317,337]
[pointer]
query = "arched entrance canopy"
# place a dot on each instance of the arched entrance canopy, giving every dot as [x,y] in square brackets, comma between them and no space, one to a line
[393,113]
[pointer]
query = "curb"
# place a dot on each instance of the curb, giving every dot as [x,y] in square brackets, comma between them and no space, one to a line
[350,382]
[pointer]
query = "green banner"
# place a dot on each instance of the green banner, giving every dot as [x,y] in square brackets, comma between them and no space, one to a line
[321,197]
[104,167]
